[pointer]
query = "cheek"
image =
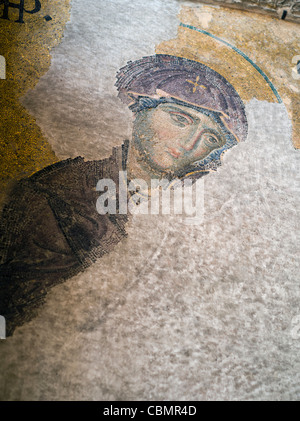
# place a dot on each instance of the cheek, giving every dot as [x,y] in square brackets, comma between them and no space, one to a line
[202,151]
[165,130]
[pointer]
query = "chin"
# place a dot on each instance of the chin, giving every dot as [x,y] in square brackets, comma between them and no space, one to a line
[165,166]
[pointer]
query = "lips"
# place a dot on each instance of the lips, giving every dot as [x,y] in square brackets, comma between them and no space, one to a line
[174,152]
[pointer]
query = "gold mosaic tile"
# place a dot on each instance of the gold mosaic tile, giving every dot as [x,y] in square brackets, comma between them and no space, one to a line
[26,48]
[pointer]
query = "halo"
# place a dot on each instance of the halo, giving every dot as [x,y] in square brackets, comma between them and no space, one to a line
[235,66]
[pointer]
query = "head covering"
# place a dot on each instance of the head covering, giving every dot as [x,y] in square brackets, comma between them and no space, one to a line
[173,78]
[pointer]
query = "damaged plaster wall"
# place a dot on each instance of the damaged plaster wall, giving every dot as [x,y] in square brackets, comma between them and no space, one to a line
[284,9]
[176,311]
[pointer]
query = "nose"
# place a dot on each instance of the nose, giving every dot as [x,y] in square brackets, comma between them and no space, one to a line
[192,141]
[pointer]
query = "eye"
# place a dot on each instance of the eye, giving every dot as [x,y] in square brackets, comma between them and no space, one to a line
[211,140]
[181,120]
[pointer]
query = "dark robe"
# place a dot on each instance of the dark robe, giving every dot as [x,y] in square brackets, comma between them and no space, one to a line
[51,230]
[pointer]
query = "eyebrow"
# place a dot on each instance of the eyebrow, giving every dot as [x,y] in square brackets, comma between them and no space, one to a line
[180,111]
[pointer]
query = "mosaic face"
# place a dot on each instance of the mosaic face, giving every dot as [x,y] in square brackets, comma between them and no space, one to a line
[172,136]
[186,115]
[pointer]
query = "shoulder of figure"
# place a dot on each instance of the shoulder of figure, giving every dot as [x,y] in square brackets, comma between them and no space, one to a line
[61,177]
[72,171]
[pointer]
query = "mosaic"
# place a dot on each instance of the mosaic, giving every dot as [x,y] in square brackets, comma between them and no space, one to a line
[186,115]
